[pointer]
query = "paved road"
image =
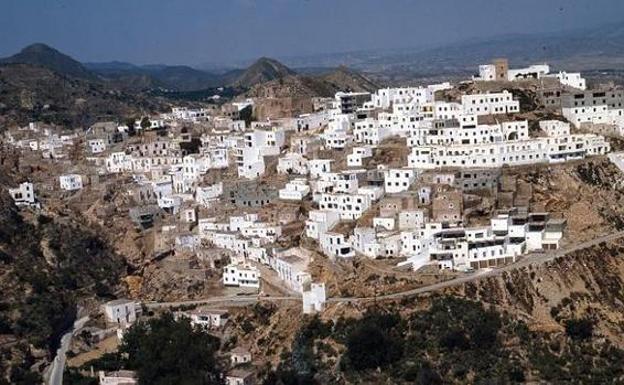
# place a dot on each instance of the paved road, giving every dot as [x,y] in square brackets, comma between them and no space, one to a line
[534,258]
[225,301]
[58,365]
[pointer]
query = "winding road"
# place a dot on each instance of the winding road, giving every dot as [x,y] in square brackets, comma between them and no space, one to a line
[55,373]
[529,259]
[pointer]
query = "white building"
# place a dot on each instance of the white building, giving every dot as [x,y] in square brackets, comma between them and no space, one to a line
[335,245]
[209,195]
[295,190]
[314,298]
[120,377]
[490,104]
[356,158]
[292,163]
[572,79]
[208,318]
[398,180]
[506,238]
[24,195]
[349,206]
[487,72]
[120,311]
[321,221]
[96,146]
[70,182]
[319,167]
[292,269]
[535,71]
[240,356]
[241,275]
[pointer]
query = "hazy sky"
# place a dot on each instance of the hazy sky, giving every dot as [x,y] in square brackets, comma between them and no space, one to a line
[226,31]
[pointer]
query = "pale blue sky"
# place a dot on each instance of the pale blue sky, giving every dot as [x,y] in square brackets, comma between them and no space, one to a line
[227,31]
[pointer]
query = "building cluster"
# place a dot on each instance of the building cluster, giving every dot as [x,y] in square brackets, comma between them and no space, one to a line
[382,174]
[499,70]
[392,174]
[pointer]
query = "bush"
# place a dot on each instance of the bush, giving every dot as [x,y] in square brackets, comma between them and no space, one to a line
[164,351]
[371,343]
[579,329]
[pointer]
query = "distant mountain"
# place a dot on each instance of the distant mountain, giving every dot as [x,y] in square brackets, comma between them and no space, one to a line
[45,56]
[263,70]
[182,78]
[583,49]
[178,78]
[326,84]
[346,79]
[111,66]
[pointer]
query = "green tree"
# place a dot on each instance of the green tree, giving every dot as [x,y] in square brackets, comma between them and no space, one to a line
[164,351]
[130,124]
[372,343]
[579,329]
[145,123]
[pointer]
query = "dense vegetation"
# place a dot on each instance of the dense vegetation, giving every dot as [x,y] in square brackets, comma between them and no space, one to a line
[163,351]
[454,341]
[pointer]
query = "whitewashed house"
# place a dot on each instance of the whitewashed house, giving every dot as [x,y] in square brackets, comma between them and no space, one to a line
[296,190]
[241,275]
[208,318]
[120,311]
[321,221]
[292,163]
[335,245]
[398,180]
[24,195]
[314,298]
[70,182]
[349,206]
[319,167]
[120,377]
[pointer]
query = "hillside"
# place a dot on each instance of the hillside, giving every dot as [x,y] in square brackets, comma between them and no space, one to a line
[48,265]
[178,78]
[265,77]
[42,55]
[325,85]
[262,71]
[184,78]
[347,79]
[31,93]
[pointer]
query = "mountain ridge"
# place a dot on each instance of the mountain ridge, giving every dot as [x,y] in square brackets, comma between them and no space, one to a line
[45,56]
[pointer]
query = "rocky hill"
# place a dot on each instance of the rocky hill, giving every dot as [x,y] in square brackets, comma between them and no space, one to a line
[265,77]
[324,85]
[47,57]
[178,78]
[48,264]
[346,79]
[31,93]
[262,71]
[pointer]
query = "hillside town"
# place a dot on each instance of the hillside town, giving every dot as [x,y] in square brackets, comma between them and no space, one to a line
[253,193]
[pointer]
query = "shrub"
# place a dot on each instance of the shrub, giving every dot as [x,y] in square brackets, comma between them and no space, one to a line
[579,329]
